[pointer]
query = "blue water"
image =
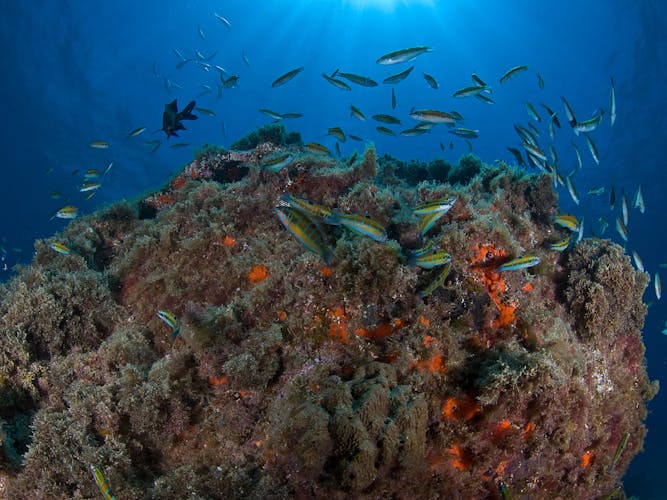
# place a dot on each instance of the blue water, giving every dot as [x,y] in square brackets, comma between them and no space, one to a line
[73,72]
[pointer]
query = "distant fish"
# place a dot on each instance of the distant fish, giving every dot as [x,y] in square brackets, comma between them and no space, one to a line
[340,84]
[540,81]
[275,163]
[568,112]
[532,112]
[578,155]
[178,145]
[89,186]
[592,148]
[316,147]
[625,211]
[657,286]
[205,111]
[136,132]
[612,103]
[364,81]
[305,231]
[385,131]
[639,263]
[571,189]
[66,212]
[246,61]
[99,145]
[432,116]
[465,132]
[484,98]
[273,114]
[201,33]
[432,82]
[402,55]
[359,224]
[622,230]
[469,91]
[337,132]
[517,156]
[612,198]
[398,77]
[639,200]
[519,263]
[384,118]
[356,112]
[283,79]
[596,191]
[171,117]
[393,99]
[478,81]
[511,73]
[223,20]
[590,124]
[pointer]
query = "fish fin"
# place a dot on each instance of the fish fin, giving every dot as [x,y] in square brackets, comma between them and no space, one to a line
[186,114]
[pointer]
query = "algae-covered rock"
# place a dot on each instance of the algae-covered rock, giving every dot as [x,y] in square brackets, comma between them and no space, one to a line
[285,376]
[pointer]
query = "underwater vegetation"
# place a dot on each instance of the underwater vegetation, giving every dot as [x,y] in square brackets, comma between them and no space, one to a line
[195,344]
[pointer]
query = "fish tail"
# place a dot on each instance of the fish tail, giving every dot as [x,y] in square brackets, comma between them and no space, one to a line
[186,114]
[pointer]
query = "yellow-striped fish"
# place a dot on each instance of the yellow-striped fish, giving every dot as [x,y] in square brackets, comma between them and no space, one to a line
[429,220]
[171,320]
[67,212]
[567,221]
[60,248]
[275,163]
[439,205]
[99,145]
[512,72]
[316,147]
[101,482]
[359,224]
[304,230]
[561,245]
[520,263]
[306,206]
[430,260]
[437,282]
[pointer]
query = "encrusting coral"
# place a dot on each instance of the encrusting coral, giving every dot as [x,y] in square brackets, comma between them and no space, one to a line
[289,377]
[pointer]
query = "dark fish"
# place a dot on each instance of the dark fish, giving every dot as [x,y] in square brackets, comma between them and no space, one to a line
[359,79]
[393,99]
[340,84]
[383,118]
[540,81]
[398,77]
[403,55]
[171,117]
[432,82]
[512,72]
[283,79]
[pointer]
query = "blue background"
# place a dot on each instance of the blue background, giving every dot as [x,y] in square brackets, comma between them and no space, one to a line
[77,71]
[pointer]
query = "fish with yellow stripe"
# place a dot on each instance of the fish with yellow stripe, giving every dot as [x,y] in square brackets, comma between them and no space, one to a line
[437,282]
[440,205]
[520,263]
[101,482]
[359,224]
[306,206]
[304,230]
[171,320]
[430,260]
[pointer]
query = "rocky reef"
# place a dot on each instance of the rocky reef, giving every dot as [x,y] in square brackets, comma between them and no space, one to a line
[293,378]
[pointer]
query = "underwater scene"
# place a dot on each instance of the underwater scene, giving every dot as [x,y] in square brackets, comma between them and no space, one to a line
[333,249]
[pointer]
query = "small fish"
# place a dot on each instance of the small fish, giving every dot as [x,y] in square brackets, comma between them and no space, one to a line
[590,124]
[520,263]
[66,212]
[307,207]
[205,111]
[337,146]
[178,145]
[571,189]
[283,79]
[612,103]
[478,81]
[428,221]
[136,132]
[55,194]
[624,208]
[440,205]
[245,58]
[89,195]
[171,117]
[385,131]
[364,81]
[561,245]
[592,148]
[485,98]
[568,112]
[178,54]
[171,320]
[316,147]
[603,225]
[469,91]
[230,82]
[99,145]
[567,221]
[534,151]
[578,154]
[383,118]
[639,200]
[356,112]
[359,224]
[273,114]
[540,81]
[465,132]
[612,198]
[657,286]
[504,490]
[223,20]
[398,77]
[512,73]
[337,132]
[437,283]
[402,55]
[89,186]
[393,98]
[275,163]
[91,173]
[101,482]
[469,145]
[201,33]
[305,231]
[352,158]
[412,132]
[430,260]
[355,137]
[517,156]
[532,112]
[432,82]
[619,449]
[639,263]
[60,248]
[622,230]
[432,116]
[340,84]
[596,191]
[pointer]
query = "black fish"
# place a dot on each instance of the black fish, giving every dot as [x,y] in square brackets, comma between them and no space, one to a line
[171,118]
